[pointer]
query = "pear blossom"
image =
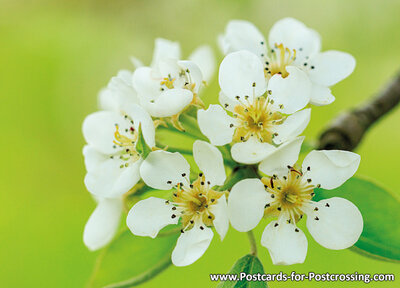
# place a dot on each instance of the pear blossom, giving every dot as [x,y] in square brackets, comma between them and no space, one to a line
[119,92]
[291,44]
[198,204]
[286,194]
[103,223]
[264,116]
[111,158]
[169,85]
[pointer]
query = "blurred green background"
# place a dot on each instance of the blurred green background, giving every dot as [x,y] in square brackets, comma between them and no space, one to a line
[56,55]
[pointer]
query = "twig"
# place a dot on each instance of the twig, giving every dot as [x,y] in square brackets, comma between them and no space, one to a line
[347,130]
[164,264]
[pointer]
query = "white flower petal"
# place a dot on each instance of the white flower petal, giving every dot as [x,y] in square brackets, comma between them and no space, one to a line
[293,126]
[246,204]
[330,168]
[195,74]
[339,223]
[251,152]
[136,62]
[331,67]
[221,221]
[295,35]
[147,83]
[243,35]
[204,57]
[284,155]
[160,167]
[169,102]
[191,245]
[110,180]
[99,128]
[119,92]
[149,216]
[93,158]
[165,49]
[321,95]
[209,160]
[215,123]
[102,225]
[228,103]
[141,117]
[286,243]
[106,100]
[293,92]
[239,72]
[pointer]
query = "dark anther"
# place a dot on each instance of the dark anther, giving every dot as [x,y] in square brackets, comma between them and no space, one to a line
[312,67]
[183,174]
[169,182]
[212,200]
[308,168]
[254,84]
[231,125]
[201,227]
[208,182]
[327,205]
[209,217]
[316,218]
[276,224]
[191,221]
[316,209]
[226,105]
[191,185]
[272,195]
[167,202]
[201,174]
[267,205]
[308,180]
[202,183]
[174,208]
[262,42]
[296,230]
[175,195]
[173,216]
[284,177]
[312,194]
[237,97]
[279,208]
[182,231]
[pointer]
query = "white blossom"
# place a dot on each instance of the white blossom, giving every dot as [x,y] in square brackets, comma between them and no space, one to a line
[291,44]
[198,204]
[263,116]
[287,194]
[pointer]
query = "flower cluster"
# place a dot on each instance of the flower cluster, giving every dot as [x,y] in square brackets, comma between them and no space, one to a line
[267,91]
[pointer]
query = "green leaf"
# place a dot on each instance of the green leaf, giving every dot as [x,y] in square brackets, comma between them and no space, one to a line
[248,264]
[380,238]
[130,256]
[141,146]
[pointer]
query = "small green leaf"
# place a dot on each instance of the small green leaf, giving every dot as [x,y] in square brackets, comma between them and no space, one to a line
[248,264]
[141,146]
[380,238]
[130,256]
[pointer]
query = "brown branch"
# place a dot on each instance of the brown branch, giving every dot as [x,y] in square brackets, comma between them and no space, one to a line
[348,129]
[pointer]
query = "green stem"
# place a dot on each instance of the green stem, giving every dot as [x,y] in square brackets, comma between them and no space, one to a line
[161,266]
[169,232]
[253,245]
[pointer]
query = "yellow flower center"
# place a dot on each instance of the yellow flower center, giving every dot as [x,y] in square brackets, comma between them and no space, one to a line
[193,202]
[280,57]
[128,144]
[289,195]
[256,119]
